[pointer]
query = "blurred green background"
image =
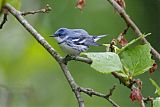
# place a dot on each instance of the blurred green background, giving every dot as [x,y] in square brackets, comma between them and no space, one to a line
[30,77]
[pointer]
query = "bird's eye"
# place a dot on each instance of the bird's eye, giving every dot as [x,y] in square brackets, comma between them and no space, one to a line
[62,32]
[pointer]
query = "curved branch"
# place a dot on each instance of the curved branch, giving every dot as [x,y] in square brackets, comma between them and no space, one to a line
[48,47]
[75,88]
[44,10]
[5,13]
[130,23]
[91,92]
[77,58]
[72,83]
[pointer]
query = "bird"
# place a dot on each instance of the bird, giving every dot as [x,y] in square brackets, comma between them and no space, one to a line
[75,41]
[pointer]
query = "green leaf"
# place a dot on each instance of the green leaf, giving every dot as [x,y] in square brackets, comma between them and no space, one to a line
[15,3]
[137,60]
[105,62]
[156,102]
[156,86]
[133,41]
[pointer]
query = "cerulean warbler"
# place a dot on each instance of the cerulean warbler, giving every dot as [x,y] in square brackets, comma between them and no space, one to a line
[75,41]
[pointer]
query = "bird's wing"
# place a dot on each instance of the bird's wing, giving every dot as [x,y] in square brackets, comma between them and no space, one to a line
[80,43]
[76,46]
[87,41]
[80,32]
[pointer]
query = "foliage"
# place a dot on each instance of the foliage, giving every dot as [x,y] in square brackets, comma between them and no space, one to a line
[135,61]
[156,86]
[156,102]
[105,62]
[31,65]
[136,95]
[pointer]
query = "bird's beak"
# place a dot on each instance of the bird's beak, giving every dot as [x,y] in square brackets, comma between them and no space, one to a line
[54,35]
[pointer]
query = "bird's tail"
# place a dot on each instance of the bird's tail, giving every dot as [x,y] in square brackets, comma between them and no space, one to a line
[96,38]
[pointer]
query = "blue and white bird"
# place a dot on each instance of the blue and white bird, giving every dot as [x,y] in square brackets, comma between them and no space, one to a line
[75,41]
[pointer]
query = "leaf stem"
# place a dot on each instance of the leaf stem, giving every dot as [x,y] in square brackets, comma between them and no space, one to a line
[132,42]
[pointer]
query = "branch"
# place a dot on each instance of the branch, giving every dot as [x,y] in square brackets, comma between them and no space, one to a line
[137,31]
[72,83]
[130,23]
[75,88]
[149,99]
[44,10]
[91,92]
[5,13]
[48,47]
[133,41]
[130,84]
[77,58]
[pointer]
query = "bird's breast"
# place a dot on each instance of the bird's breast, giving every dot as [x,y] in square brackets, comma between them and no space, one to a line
[69,50]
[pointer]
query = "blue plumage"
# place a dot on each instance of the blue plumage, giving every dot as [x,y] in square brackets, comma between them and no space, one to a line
[75,41]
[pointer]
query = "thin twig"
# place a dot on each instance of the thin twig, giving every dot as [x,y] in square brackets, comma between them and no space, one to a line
[91,92]
[111,91]
[121,39]
[130,23]
[133,41]
[148,99]
[48,47]
[125,31]
[44,10]
[134,27]
[75,88]
[72,83]
[77,58]
[122,80]
[112,44]
[5,13]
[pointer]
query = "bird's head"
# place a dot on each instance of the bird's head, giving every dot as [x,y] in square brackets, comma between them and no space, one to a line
[61,33]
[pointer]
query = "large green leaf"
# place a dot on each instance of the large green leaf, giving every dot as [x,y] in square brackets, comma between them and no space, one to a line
[156,102]
[105,62]
[137,60]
